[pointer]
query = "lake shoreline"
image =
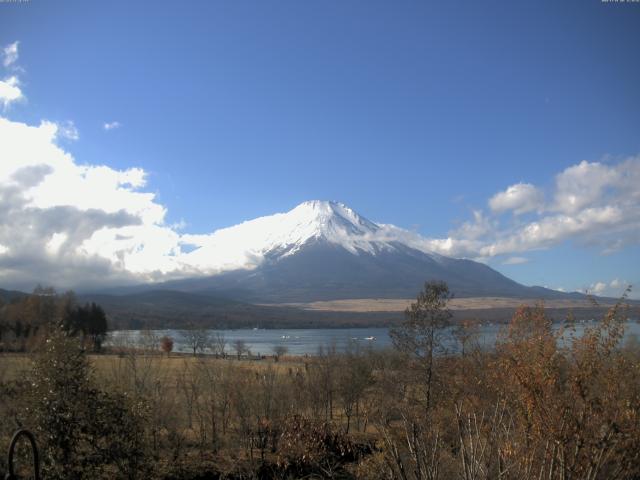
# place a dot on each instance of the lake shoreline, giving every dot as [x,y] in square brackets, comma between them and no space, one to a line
[309,341]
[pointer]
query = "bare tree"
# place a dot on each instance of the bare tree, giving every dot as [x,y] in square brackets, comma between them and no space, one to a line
[279,351]
[466,335]
[355,375]
[148,341]
[420,335]
[197,339]
[240,346]
[219,344]
[325,377]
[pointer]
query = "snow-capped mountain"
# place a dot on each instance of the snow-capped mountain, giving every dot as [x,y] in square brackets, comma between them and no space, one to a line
[250,243]
[324,250]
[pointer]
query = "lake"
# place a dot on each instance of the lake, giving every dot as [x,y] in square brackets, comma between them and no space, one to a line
[309,341]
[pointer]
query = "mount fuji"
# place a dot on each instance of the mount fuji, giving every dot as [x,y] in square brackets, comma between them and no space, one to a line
[324,250]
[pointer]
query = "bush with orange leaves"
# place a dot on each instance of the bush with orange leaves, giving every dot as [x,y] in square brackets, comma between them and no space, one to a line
[548,403]
[312,449]
[573,400]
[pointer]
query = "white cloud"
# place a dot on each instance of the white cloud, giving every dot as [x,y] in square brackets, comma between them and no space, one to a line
[10,91]
[54,211]
[25,149]
[68,130]
[583,185]
[615,288]
[179,225]
[55,242]
[111,125]
[515,261]
[548,231]
[520,198]
[598,288]
[594,204]
[10,54]
[74,224]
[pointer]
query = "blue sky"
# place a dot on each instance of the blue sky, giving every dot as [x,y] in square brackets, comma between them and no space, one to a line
[412,113]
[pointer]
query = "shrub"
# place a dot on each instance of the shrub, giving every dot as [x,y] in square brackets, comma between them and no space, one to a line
[166,344]
[83,431]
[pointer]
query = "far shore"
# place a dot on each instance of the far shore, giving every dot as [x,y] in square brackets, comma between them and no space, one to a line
[471,303]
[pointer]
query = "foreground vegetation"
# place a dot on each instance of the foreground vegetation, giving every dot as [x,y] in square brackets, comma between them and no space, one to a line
[531,408]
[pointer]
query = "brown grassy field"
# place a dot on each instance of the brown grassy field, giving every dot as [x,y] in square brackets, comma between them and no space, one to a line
[471,303]
[14,366]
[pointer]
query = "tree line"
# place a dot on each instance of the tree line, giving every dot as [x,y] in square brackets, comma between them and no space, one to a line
[27,321]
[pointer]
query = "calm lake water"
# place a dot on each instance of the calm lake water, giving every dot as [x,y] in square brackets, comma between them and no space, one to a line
[309,341]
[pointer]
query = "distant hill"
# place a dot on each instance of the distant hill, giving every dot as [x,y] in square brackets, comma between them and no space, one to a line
[174,309]
[161,309]
[9,295]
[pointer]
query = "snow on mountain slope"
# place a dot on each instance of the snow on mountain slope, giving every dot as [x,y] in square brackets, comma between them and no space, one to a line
[325,251]
[245,246]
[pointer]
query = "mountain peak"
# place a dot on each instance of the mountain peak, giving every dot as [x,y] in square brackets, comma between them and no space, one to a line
[248,244]
[320,203]
[332,219]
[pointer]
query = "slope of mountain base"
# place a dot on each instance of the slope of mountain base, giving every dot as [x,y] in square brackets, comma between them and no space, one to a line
[469,303]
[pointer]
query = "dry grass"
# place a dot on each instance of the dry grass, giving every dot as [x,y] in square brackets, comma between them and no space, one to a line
[14,365]
[399,305]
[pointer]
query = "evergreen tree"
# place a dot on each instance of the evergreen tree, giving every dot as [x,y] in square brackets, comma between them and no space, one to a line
[61,407]
[97,326]
[85,432]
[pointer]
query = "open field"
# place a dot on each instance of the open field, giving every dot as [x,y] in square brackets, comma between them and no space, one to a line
[13,366]
[471,303]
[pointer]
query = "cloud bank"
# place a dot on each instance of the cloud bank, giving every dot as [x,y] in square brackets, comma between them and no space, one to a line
[615,288]
[593,203]
[67,224]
